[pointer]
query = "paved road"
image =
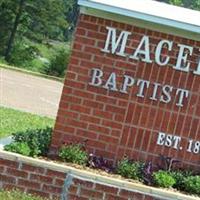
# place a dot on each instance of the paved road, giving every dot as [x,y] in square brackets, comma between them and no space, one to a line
[29,93]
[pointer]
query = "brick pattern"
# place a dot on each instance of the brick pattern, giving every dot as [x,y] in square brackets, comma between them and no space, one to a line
[31,179]
[118,124]
[48,183]
[84,190]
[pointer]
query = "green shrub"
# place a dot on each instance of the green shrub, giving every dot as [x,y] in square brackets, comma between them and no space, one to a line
[2,60]
[19,147]
[74,154]
[163,179]
[58,63]
[129,169]
[23,53]
[179,177]
[37,140]
[192,184]
[16,195]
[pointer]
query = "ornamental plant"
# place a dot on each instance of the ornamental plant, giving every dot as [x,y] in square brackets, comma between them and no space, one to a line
[192,184]
[98,162]
[74,153]
[179,177]
[148,173]
[19,147]
[163,179]
[33,142]
[130,169]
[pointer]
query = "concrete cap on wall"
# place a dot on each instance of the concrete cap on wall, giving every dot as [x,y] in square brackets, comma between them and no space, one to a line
[150,11]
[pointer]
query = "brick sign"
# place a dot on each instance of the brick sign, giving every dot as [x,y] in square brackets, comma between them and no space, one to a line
[131,90]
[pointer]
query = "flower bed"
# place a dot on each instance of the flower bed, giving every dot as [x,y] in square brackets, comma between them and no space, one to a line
[164,176]
[54,180]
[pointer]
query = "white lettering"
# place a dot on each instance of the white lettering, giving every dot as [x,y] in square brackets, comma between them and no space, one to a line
[111,83]
[168,140]
[161,138]
[182,63]
[146,52]
[177,140]
[166,98]
[128,82]
[116,43]
[155,90]
[197,72]
[183,93]
[142,83]
[96,77]
[159,50]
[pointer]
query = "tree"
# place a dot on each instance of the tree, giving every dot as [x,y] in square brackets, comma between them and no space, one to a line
[193,4]
[72,11]
[33,19]
[14,29]
[196,5]
[45,19]
[7,12]
[176,2]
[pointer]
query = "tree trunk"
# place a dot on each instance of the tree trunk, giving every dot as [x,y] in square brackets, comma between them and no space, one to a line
[14,30]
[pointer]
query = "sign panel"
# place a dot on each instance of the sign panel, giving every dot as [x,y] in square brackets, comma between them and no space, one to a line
[131,91]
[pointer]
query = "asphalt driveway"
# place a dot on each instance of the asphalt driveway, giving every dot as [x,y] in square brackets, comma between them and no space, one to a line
[29,93]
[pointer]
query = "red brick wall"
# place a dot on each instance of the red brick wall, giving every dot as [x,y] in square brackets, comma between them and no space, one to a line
[31,179]
[84,190]
[45,182]
[116,124]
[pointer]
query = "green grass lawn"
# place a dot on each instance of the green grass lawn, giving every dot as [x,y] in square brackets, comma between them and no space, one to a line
[12,121]
[16,195]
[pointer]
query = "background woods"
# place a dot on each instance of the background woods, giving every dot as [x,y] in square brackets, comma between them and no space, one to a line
[29,28]
[192,4]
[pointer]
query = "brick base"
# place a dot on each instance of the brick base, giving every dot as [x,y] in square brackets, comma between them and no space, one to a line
[56,181]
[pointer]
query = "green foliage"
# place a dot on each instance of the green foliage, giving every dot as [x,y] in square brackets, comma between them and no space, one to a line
[37,21]
[58,63]
[19,147]
[31,143]
[13,121]
[48,58]
[17,195]
[192,184]
[23,53]
[71,16]
[2,60]
[38,140]
[179,177]
[163,179]
[196,5]
[7,12]
[44,19]
[129,169]
[73,153]
[192,4]
[176,2]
